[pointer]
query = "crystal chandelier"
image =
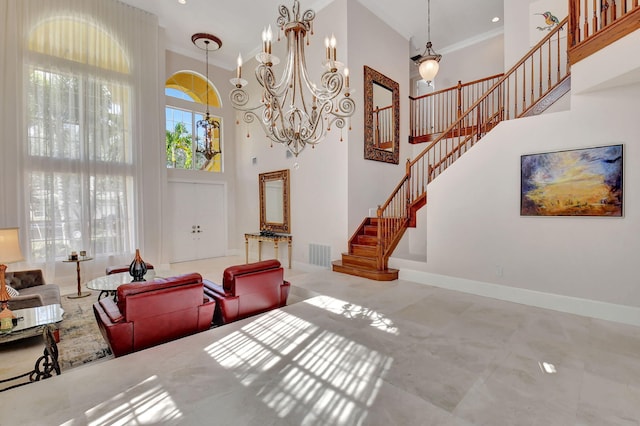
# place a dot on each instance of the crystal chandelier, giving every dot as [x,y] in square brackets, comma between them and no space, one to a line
[428,62]
[294,111]
[208,124]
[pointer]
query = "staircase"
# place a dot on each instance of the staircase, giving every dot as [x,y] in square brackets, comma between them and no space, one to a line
[529,87]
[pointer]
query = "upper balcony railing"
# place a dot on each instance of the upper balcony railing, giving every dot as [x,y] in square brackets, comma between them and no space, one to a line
[432,113]
[595,24]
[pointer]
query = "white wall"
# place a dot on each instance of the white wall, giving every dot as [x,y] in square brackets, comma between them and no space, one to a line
[318,176]
[474,62]
[475,231]
[373,43]
[518,24]
[220,78]
[477,240]
[516,31]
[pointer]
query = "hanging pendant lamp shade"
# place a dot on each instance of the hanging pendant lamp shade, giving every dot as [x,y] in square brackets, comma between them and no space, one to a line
[429,62]
[429,65]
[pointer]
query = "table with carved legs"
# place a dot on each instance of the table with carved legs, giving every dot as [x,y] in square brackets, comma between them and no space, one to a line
[275,238]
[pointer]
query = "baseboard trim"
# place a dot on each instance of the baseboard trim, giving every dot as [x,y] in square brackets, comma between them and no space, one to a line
[573,305]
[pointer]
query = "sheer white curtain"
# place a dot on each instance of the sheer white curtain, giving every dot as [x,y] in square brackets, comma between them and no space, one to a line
[88,70]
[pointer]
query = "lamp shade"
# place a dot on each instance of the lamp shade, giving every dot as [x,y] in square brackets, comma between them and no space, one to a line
[10,246]
[428,69]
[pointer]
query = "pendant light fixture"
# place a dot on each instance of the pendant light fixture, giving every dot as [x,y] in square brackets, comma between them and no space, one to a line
[293,110]
[208,124]
[428,62]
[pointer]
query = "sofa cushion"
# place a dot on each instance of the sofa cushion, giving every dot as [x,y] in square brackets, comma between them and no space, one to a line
[111,309]
[50,293]
[24,279]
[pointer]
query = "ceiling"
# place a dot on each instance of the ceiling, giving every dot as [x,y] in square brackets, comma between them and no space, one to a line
[239,23]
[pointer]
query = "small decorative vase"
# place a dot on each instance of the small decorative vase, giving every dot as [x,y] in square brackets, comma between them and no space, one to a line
[138,268]
[6,318]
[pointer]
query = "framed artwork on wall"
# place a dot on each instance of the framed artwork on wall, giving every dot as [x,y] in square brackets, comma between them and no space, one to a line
[579,182]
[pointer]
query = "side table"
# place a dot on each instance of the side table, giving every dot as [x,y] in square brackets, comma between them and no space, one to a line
[80,292]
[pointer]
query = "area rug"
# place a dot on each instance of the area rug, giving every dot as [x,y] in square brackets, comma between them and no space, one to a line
[80,338]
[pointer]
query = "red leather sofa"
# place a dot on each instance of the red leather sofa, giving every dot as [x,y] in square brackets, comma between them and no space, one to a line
[153,312]
[248,290]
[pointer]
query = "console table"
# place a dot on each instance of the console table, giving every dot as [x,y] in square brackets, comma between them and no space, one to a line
[275,238]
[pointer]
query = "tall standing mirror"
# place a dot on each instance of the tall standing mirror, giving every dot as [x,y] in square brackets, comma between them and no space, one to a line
[382,117]
[274,201]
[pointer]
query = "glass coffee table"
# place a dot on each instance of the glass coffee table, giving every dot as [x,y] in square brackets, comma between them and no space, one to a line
[108,284]
[32,321]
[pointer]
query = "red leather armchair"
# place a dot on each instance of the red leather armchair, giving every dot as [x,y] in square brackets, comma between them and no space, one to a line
[154,312]
[248,290]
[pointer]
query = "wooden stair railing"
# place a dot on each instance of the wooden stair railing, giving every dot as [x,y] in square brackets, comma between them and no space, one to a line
[515,94]
[432,113]
[595,24]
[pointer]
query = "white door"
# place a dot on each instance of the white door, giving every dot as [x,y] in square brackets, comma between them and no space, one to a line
[198,221]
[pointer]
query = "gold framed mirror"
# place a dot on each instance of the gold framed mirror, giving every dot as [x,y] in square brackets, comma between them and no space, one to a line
[381,117]
[274,201]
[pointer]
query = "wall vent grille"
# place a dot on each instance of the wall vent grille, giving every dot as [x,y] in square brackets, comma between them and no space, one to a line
[320,255]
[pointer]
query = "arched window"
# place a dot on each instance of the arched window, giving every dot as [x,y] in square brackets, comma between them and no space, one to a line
[78,158]
[186,95]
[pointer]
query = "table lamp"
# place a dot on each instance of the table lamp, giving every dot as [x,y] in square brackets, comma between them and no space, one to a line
[9,253]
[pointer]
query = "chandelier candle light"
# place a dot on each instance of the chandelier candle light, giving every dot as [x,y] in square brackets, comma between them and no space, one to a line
[294,111]
[207,42]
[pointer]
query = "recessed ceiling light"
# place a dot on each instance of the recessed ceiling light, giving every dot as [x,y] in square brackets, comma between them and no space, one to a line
[182,1]
[495,19]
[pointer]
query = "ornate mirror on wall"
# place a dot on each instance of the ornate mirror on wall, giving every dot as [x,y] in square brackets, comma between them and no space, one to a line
[382,117]
[274,201]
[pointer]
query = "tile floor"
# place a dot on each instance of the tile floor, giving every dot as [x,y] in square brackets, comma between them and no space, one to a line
[359,352]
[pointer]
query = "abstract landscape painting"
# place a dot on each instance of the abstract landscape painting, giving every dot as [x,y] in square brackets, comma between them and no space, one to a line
[581,182]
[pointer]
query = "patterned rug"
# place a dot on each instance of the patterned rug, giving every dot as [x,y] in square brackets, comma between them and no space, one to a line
[80,338]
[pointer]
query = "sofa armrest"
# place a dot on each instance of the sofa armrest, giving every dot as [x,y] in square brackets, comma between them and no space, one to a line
[111,310]
[213,290]
[226,309]
[119,336]
[284,293]
[26,301]
[205,314]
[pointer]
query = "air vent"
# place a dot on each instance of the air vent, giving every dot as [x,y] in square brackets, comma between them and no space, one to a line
[320,255]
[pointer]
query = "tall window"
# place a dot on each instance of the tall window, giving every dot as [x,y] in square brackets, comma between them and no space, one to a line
[186,94]
[79,165]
